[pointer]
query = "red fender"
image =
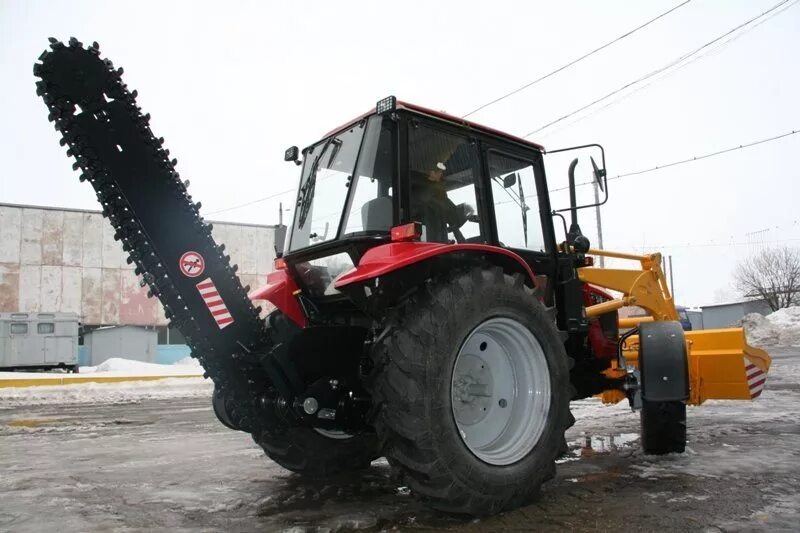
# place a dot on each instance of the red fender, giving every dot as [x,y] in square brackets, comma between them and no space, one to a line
[387,258]
[280,291]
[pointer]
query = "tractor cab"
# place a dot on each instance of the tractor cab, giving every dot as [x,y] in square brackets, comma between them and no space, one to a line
[407,173]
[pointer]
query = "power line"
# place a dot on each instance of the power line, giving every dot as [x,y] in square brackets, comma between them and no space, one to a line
[749,242]
[672,164]
[265,198]
[709,244]
[618,176]
[705,156]
[676,69]
[256,201]
[686,56]
[574,61]
[689,160]
[659,70]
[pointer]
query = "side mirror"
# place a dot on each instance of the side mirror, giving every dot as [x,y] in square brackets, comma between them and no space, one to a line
[510,180]
[598,174]
[292,154]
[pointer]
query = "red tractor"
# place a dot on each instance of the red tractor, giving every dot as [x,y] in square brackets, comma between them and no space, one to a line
[425,310]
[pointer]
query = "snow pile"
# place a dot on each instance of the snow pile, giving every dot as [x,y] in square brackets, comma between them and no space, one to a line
[781,328]
[118,366]
[187,361]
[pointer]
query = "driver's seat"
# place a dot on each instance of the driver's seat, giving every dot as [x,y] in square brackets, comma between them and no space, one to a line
[376,215]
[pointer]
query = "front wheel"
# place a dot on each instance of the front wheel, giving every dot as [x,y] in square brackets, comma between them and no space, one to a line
[473,393]
[663,427]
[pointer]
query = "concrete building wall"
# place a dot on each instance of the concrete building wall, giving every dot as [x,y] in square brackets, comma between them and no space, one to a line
[61,260]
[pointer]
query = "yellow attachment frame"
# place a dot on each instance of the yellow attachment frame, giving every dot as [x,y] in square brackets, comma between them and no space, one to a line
[646,288]
[721,363]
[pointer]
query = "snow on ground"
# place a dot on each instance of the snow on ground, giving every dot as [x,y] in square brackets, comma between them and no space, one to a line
[119,392]
[781,328]
[188,361]
[182,379]
[118,367]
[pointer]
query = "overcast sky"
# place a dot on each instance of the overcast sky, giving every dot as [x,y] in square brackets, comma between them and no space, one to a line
[230,85]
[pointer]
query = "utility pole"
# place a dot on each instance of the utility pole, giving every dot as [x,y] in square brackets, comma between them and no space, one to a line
[599,223]
[280,213]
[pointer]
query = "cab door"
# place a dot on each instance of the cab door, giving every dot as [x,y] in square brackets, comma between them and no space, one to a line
[519,214]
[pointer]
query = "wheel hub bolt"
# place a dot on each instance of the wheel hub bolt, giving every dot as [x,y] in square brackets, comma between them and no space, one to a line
[502,403]
[310,405]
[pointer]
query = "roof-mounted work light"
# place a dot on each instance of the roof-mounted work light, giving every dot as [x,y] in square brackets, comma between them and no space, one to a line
[386,105]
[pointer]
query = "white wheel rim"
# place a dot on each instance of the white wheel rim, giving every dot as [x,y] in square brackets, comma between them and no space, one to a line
[500,391]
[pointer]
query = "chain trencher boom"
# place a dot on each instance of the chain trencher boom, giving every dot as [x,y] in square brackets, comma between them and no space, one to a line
[154,216]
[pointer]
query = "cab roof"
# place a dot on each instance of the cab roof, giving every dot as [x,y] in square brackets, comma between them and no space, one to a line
[458,121]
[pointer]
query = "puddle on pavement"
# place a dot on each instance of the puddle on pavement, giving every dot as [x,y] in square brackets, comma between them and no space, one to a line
[368,499]
[588,445]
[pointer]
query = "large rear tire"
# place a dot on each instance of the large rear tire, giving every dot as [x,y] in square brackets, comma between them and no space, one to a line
[472,384]
[316,454]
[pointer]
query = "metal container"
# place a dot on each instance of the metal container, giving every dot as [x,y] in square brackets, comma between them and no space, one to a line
[31,341]
[126,342]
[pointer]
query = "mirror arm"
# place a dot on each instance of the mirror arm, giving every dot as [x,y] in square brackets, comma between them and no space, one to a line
[563,221]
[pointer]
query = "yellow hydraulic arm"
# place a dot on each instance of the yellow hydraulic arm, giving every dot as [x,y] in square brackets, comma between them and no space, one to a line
[721,363]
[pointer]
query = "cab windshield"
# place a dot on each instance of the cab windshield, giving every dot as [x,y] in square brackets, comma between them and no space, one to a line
[345,188]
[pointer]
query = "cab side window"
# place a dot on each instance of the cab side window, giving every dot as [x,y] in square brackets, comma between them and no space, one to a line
[443,171]
[516,204]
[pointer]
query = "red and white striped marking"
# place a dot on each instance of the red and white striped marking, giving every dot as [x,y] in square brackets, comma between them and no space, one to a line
[214,302]
[755,379]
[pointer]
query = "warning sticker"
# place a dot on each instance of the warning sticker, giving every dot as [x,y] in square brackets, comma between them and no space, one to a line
[755,379]
[192,264]
[219,311]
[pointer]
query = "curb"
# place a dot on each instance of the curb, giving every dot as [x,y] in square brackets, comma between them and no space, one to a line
[74,380]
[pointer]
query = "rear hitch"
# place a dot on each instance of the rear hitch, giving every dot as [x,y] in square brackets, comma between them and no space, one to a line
[328,404]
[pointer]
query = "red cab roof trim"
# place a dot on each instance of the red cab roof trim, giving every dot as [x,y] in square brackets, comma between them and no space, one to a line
[443,116]
[468,123]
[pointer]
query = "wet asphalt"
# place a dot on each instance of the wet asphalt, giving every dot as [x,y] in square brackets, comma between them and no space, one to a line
[168,465]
